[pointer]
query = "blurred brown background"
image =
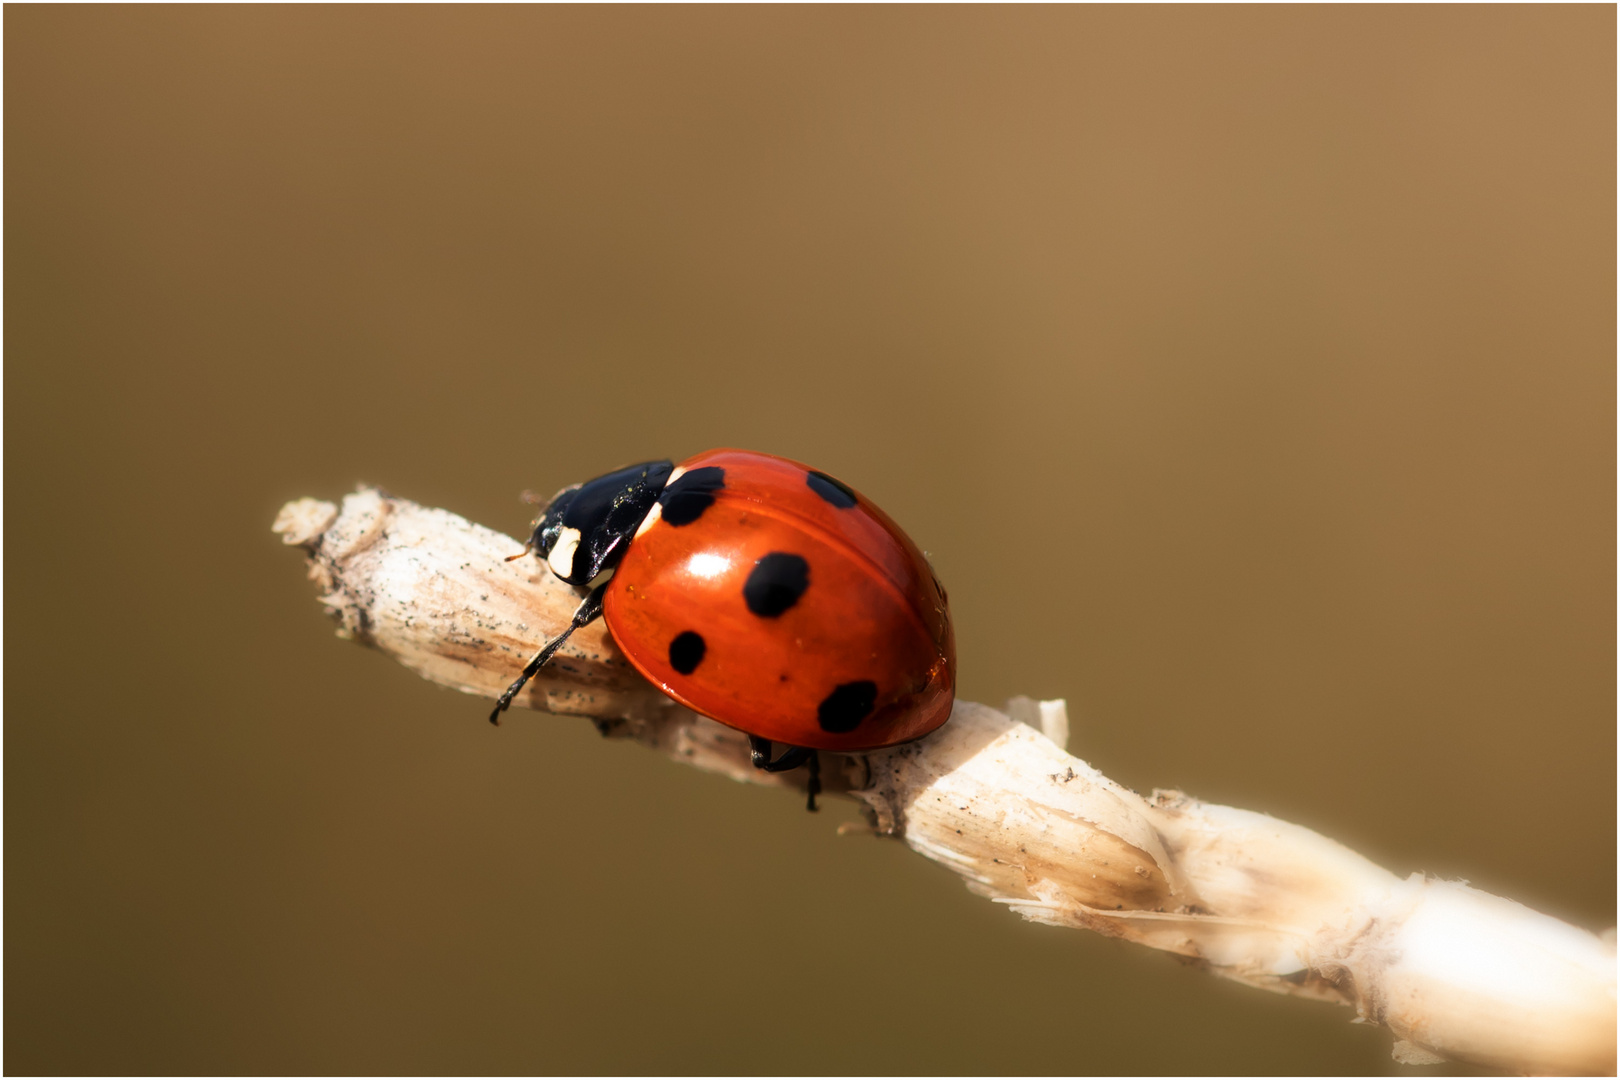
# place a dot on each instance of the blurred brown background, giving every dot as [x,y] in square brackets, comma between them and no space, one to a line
[1248,372]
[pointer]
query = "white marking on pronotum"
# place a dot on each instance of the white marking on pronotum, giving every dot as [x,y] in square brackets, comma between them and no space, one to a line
[650,520]
[561,559]
[656,514]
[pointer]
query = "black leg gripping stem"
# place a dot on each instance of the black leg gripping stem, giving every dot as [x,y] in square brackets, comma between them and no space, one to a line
[759,752]
[588,612]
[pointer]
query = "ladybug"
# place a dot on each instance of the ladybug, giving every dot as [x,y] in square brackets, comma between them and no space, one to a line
[761,593]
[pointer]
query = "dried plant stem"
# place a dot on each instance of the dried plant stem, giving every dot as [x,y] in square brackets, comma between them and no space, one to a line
[1452,971]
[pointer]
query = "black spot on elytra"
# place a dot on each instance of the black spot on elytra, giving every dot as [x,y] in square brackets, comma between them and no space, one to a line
[686,651]
[834,491]
[685,500]
[845,708]
[775,583]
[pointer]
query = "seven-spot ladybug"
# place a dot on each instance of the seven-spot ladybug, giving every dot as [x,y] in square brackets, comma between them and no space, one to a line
[761,593]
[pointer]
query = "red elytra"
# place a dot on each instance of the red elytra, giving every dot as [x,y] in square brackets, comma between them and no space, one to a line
[861,658]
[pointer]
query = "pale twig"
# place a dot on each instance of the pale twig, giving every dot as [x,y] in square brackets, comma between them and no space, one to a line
[1452,971]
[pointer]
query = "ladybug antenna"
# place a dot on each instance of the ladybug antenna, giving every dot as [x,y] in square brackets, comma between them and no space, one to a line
[526,549]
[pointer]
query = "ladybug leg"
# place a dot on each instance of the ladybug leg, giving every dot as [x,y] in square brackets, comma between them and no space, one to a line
[759,752]
[813,766]
[588,612]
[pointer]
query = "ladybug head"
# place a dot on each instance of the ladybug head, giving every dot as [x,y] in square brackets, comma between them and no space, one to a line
[585,528]
[548,526]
